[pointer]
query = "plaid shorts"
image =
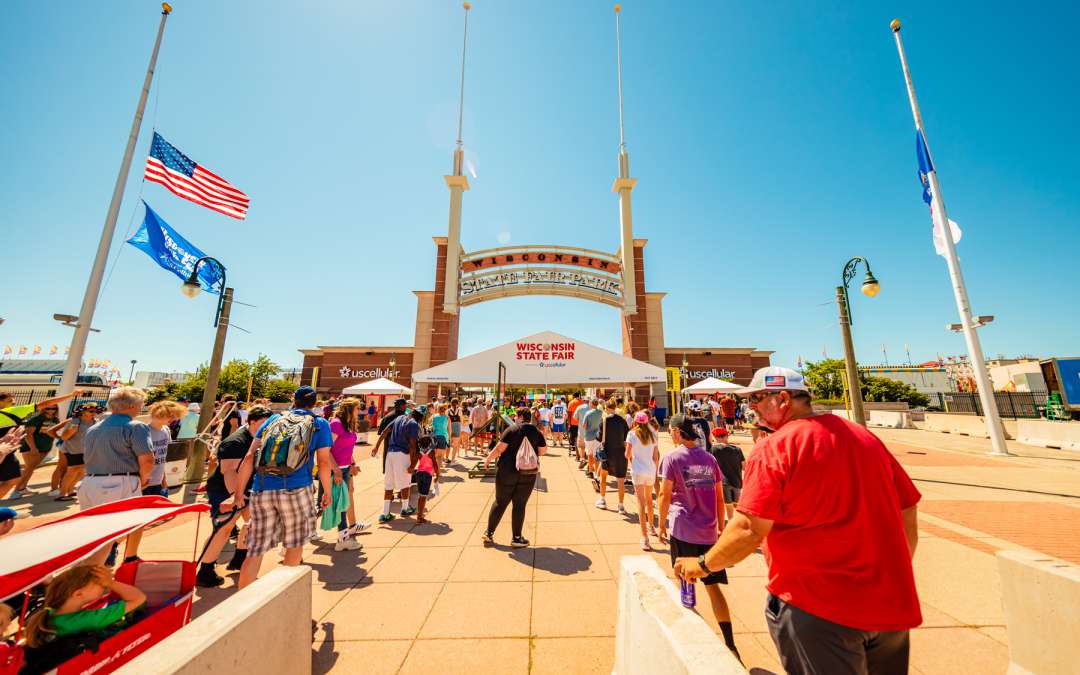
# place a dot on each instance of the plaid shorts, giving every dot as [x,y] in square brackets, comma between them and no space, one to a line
[287,516]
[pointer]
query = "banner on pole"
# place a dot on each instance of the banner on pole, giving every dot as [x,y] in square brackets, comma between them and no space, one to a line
[172,252]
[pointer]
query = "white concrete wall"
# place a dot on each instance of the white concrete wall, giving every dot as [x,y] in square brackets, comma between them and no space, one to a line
[265,628]
[1041,597]
[655,634]
[1064,435]
[883,418]
[965,425]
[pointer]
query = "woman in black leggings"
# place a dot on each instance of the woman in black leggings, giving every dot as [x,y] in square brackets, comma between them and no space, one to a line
[511,485]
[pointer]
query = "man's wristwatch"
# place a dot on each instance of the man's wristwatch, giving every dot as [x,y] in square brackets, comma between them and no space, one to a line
[703,566]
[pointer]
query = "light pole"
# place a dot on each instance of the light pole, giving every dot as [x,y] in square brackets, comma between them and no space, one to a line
[870,288]
[131,375]
[191,288]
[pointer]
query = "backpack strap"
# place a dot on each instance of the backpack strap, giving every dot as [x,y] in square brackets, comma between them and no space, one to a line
[13,417]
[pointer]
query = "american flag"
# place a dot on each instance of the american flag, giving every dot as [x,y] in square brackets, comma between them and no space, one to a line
[186,178]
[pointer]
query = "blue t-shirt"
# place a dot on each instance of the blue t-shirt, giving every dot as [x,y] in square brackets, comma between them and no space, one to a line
[439,426]
[302,477]
[402,430]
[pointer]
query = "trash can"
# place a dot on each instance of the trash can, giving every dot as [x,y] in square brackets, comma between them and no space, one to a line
[176,459]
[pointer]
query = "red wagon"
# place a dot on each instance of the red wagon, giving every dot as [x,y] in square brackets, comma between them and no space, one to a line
[30,558]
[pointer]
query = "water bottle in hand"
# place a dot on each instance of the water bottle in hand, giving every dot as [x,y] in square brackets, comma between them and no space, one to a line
[687,593]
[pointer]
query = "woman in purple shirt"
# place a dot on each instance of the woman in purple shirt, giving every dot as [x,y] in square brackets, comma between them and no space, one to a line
[343,428]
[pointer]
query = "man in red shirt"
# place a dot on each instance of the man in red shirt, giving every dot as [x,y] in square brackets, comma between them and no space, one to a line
[835,515]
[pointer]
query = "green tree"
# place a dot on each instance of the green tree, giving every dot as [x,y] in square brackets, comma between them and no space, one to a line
[279,391]
[233,379]
[825,378]
[882,389]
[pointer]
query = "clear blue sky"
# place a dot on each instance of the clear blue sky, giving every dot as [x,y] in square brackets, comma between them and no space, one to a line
[771,142]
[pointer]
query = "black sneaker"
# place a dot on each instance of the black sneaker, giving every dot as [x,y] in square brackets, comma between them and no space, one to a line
[237,560]
[519,542]
[488,538]
[208,578]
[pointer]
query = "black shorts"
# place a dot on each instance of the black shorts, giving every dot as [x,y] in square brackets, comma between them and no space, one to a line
[76,459]
[731,494]
[615,463]
[730,421]
[684,549]
[423,483]
[9,468]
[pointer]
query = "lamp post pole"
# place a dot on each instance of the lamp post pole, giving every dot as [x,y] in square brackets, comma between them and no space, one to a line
[194,472]
[870,288]
[131,375]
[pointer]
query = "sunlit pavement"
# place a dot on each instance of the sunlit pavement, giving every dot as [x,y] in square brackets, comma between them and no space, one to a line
[420,597]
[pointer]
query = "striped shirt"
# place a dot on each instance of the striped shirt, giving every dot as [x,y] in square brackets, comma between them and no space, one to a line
[114,445]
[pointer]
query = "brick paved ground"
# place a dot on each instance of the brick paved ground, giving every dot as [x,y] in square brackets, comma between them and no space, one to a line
[423,597]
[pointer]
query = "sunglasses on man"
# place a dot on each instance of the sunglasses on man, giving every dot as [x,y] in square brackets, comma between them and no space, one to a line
[760,396]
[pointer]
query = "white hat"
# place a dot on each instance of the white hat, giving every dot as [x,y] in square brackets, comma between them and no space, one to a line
[194,407]
[775,378]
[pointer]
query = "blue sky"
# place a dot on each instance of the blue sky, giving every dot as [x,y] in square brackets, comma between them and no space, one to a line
[771,141]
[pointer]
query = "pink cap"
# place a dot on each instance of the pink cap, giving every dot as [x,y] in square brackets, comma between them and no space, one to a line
[641,417]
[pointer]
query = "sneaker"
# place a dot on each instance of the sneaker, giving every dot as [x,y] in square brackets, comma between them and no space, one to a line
[408,511]
[208,578]
[519,542]
[596,484]
[19,494]
[237,560]
[346,544]
[315,535]
[356,529]
[386,517]
[645,546]
[53,493]
[581,464]
[601,504]
[621,509]
[487,538]
[588,474]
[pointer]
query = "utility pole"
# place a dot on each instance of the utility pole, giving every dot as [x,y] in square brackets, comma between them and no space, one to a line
[858,416]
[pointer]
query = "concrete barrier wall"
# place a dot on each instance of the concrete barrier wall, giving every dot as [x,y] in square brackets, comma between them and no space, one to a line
[654,633]
[1064,435]
[265,628]
[965,425]
[1041,596]
[883,418]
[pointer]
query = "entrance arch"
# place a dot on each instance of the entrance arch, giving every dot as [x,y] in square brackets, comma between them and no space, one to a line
[510,271]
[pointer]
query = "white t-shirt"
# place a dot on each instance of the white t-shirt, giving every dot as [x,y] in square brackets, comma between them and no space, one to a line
[642,464]
[715,408]
[545,414]
[558,413]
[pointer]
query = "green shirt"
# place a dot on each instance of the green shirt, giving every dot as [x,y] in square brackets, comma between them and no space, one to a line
[88,620]
[19,411]
[36,425]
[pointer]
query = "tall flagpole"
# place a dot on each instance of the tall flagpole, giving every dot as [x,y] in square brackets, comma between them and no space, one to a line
[93,285]
[458,183]
[624,185]
[994,427]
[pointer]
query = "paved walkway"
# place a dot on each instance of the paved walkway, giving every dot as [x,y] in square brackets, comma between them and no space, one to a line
[430,596]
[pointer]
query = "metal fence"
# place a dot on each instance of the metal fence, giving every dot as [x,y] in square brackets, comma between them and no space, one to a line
[1010,404]
[27,396]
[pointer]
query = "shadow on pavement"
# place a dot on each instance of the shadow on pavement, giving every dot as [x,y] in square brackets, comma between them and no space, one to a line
[325,656]
[561,561]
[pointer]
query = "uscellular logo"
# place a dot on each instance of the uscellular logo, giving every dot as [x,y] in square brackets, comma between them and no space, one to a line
[371,374]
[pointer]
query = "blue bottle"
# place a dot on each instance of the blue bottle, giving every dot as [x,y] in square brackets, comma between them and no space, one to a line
[687,593]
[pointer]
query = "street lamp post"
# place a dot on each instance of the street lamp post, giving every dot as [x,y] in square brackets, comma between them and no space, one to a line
[191,288]
[131,375]
[870,288]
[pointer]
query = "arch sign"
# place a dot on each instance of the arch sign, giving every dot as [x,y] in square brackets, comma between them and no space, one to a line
[541,270]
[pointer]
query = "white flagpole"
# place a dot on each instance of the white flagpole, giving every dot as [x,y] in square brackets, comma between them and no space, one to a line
[937,205]
[93,285]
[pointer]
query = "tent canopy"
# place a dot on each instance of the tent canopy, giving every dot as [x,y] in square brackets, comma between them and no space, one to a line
[545,358]
[711,385]
[378,386]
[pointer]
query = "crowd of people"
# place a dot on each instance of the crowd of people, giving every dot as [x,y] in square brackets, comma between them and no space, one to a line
[829,507]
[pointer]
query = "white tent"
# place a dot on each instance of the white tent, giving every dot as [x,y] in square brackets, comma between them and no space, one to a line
[711,385]
[379,387]
[546,358]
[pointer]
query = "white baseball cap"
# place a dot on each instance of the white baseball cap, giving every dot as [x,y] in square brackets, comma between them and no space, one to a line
[775,378]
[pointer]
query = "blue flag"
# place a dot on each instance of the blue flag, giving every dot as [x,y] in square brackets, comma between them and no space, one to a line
[926,165]
[171,251]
